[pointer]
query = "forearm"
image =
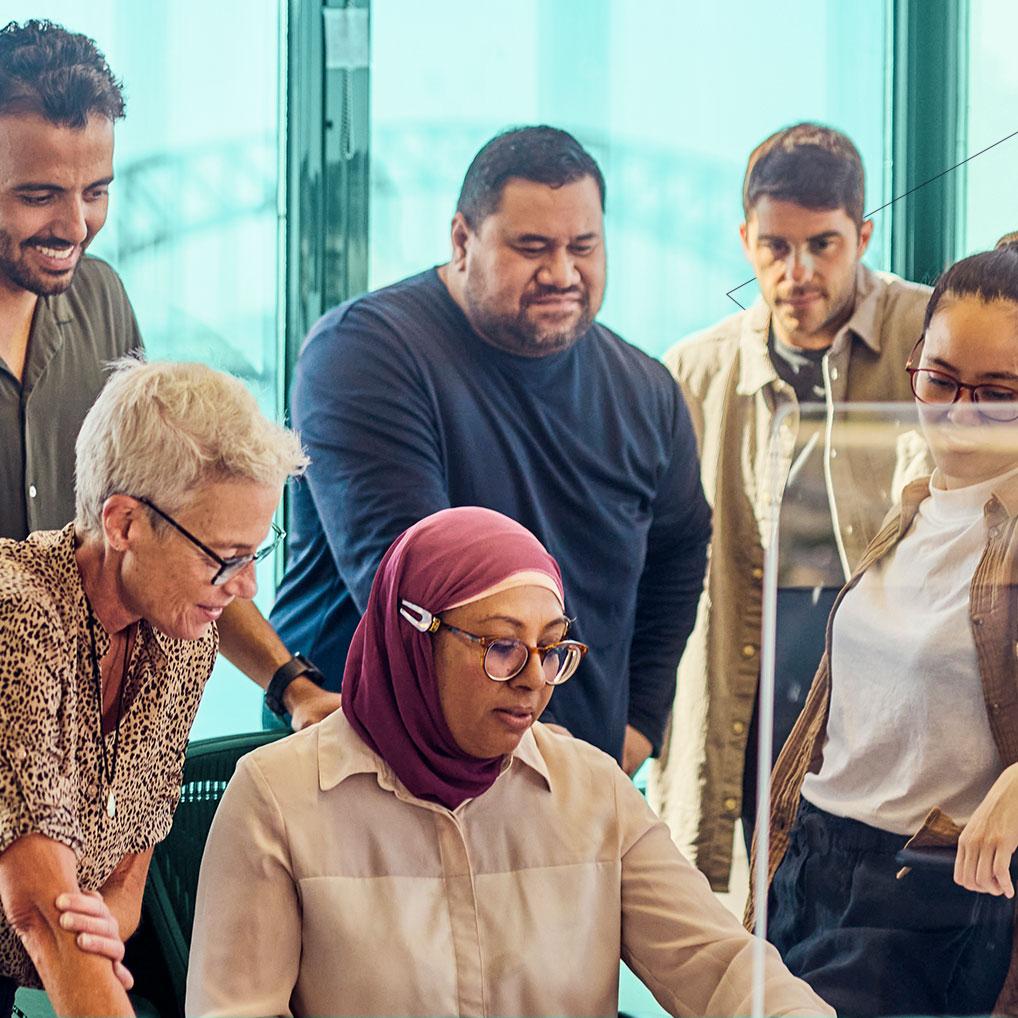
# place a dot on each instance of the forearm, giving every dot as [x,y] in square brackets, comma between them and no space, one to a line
[75,982]
[249,643]
[34,872]
[124,889]
[675,562]
[684,945]
[126,909]
[648,714]
[666,608]
[125,904]
[666,614]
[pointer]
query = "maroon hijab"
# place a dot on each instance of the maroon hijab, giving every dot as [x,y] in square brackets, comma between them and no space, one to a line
[390,692]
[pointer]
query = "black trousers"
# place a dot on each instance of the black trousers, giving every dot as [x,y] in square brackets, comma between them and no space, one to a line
[870,944]
[8,988]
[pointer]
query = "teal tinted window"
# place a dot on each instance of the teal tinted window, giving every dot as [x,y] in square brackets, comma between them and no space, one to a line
[669,97]
[990,200]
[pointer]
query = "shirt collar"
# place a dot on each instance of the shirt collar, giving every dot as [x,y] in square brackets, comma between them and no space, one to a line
[150,637]
[865,319]
[59,307]
[156,637]
[46,336]
[528,754]
[755,367]
[1002,504]
[342,753]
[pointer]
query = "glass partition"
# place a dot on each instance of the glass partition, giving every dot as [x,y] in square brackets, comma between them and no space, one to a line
[892,744]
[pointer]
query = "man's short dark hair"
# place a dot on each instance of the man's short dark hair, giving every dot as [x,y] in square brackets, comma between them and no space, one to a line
[60,76]
[809,164]
[545,155]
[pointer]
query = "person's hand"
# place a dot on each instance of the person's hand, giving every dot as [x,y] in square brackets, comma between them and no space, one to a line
[636,748]
[307,703]
[990,839]
[86,914]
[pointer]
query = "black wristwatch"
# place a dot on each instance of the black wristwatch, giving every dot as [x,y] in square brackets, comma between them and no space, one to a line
[283,676]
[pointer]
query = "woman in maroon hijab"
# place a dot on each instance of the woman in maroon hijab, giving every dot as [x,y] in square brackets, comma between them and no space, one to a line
[432,849]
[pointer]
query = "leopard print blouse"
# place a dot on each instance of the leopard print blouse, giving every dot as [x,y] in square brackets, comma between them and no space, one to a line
[51,780]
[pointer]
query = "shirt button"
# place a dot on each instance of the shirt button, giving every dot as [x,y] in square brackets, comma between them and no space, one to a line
[850,530]
[20,754]
[32,492]
[834,454]
[748,650]
[757,573]
[834,374]
[731,805]
[738,727]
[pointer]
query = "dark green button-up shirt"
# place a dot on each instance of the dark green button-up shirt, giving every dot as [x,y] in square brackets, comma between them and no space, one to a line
[74,334]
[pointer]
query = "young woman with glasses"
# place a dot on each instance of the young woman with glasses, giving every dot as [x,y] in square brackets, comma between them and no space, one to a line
[910,731]
[431,849]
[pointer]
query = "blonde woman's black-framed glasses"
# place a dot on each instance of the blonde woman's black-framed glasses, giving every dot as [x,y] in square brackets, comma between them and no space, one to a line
[228,567]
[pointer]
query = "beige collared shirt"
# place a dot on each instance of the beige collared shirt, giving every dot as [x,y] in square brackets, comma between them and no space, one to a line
[328,889]
[733,393]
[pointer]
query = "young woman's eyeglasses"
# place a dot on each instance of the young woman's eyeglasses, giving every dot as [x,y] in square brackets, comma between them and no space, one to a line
[503,657]
[997,403]
[228,567]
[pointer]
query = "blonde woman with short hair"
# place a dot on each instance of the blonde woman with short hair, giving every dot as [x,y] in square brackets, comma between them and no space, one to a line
[107,637]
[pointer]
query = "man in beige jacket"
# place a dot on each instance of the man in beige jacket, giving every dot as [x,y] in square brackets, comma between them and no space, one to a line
[825,330]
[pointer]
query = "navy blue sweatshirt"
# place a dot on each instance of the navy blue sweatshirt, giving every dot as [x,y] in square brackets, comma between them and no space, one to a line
[405,410]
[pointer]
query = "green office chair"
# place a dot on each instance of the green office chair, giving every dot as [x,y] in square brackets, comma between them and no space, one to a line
[173,878]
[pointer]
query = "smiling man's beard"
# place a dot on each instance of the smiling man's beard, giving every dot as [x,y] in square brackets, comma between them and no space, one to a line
[16,270]
[517,333]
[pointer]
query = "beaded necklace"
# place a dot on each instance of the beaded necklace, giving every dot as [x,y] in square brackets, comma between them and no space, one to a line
[108,767]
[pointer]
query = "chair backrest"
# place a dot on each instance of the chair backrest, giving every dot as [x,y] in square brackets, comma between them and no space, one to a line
[173,878]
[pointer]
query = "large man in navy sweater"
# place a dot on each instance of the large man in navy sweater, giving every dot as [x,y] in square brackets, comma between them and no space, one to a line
[487,382]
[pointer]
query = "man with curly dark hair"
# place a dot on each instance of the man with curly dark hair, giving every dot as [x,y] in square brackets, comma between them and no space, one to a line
[62,314]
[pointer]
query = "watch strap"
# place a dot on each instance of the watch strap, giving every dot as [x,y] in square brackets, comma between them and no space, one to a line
[282,677]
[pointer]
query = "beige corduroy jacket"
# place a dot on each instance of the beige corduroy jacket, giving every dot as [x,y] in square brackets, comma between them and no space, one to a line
[733,394]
